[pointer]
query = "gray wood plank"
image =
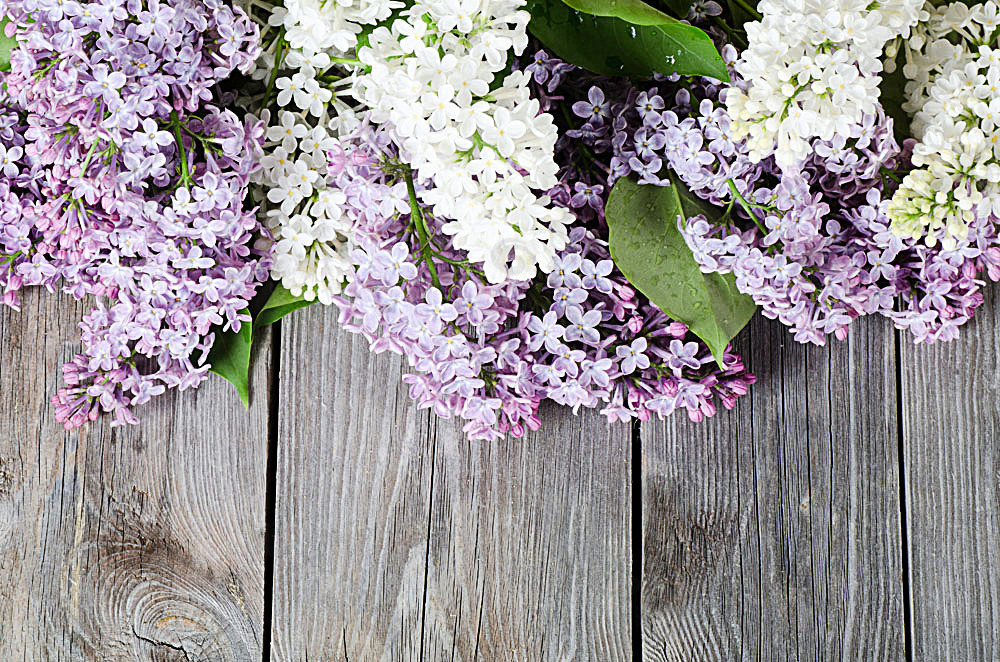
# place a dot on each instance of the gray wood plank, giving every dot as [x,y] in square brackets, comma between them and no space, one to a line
[772,532]
[353,483]
[951,428]
[530,544]
[397,539]
[138,543]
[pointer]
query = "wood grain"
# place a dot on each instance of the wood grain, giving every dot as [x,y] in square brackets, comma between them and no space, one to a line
[396,539]
[951,427]
[772,532]
[530,544]
[138,543]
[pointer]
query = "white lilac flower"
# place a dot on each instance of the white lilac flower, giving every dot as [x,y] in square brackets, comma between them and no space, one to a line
[953,67]
[477,143]
[306,66]
[812,71]
[429,77]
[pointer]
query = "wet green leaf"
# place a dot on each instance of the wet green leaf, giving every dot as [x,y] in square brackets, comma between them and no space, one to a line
[7,45]
[636,12]
[612,46]
[278,305]
[650,250]
[230,359]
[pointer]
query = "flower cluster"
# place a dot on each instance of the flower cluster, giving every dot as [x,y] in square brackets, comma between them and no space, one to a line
[123,178]
[954,65]
[787,256]
[306,70]
[491,352]
[812,71]
[810,242]
[433,76]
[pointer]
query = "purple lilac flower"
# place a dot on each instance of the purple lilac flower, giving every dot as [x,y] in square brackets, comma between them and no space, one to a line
[128,186]
[490,354]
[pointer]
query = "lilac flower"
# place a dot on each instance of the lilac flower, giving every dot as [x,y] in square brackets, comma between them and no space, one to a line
[595,275]
[565,297]
[683,355]
[649,105]
[583,325]
[595,109]
[393,264]
[94,203]
[436,308]
[546,331]
[563,273]
[647,171]
[585,194]
[633,356]
[473,304]
[491,353]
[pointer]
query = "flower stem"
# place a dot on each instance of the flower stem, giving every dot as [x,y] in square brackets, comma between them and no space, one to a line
[748,207]
[185,175]
[347,60]
[279,58]
[418,221]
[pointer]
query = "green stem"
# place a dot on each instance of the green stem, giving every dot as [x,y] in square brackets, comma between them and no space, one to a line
[753,12]
[420,224]
[347,60]
[185,176]
[86,161]
[279,57]
[748,207]
[733,34]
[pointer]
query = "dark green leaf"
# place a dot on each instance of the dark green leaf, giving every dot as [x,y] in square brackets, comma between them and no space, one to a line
[650,250]
[740,14]
[368,28]
[636,12]
[7,45]
[230,359]
[679,7]
[614,47]
[892,93]
[280,303]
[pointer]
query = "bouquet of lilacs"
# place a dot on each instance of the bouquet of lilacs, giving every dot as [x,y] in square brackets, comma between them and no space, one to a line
[574,200]
[123,178]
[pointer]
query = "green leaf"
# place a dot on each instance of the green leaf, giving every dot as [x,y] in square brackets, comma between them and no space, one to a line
[892,94]
[679,7]
[7,45]
[740,14]
[636,12]
[280,303]
[615,47]
[230,359]
[650,250]
[366,30]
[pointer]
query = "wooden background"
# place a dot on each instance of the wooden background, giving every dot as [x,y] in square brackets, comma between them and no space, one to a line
[847,509]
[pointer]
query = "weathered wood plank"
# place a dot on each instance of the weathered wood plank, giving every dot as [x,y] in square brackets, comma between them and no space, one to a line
[353,483]
[398,540]
[772,532]
[139,543]
[530,552]
[951,428]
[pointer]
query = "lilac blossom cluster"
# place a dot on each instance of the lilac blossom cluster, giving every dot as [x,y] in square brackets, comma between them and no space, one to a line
[123,178]
[490,353]
[815,248]
[810,243]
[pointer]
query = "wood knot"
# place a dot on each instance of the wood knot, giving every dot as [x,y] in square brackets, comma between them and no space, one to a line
[10,475]
[682,545]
